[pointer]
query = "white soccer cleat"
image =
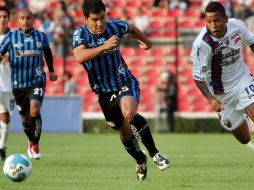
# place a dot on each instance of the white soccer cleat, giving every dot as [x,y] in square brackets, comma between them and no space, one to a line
[33,151]
[141,170]
[161,161]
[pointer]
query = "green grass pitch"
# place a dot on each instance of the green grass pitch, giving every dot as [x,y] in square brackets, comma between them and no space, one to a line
[99,162]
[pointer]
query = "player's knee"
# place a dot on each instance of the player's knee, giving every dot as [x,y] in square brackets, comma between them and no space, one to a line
[128,116]
[35,112]
[5,118]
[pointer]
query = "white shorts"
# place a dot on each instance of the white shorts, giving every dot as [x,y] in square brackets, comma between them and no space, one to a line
[232,115]
[6,102]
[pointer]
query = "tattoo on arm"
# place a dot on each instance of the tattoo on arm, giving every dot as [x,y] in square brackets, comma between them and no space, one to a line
[203,88]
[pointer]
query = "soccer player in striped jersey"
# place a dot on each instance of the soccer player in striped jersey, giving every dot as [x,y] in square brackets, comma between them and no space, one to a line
[25,48]
[219,70]
[6,96]
[96,47]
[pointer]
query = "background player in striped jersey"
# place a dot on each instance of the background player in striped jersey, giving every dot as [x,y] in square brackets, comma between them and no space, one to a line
[96,47]
[6,96]
[25,47]
[220,72]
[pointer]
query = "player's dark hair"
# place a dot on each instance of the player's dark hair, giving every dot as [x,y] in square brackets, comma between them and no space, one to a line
[6,9]
[215,6]
[92,6]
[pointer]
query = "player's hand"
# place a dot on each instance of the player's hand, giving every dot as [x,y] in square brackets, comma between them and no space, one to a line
[52,76]
[143,45]
[5,58]
[111,42]
[216,104]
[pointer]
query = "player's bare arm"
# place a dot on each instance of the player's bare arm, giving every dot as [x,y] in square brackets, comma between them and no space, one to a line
[49,61]
[144,42]
[213,101]
[83,54]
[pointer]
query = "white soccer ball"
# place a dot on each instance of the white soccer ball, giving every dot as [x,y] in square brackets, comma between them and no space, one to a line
[17,167]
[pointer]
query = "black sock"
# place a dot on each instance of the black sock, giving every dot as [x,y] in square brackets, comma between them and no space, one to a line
[132,147]
[141,131]
[36,124]
[28,132]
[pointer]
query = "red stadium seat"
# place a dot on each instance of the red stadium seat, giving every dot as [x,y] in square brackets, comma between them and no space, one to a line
[153,72]
[130,13]
[147,12]
[170,24]
[141,52]
[187,24]
[180,52]
[171,34]
[159,62]
[201,23]
[137,72]
[147,3]
[128,51]
[155,34]
[160,13]
[175,13]
[119,3]
[158,51]
[138,63]
[155,25]
[133,3]
[115,13]
[191,12]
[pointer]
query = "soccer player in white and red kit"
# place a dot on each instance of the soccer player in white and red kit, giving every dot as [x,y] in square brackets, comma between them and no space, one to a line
[6,96]
[220,72]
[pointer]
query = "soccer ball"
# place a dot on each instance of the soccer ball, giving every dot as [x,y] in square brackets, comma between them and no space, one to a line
[17,167]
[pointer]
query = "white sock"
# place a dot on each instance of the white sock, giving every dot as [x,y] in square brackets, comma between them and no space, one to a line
[250,145]
[4,129]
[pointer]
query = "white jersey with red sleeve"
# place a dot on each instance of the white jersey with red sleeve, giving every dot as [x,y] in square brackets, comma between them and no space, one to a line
[220,62]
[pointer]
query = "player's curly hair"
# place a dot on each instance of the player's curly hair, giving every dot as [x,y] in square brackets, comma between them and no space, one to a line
[92,6]
[215,6]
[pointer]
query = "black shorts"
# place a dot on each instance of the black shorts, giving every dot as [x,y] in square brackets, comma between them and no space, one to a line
[110,103]
[23,96]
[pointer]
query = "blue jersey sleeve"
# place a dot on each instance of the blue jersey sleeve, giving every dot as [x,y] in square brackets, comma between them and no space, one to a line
[5,44]
[78,38]
[122,26]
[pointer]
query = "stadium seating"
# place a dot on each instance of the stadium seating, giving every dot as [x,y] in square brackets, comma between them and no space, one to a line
[148,65]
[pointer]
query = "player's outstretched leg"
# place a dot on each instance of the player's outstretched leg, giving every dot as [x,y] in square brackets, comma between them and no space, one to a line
[141,130]
[132,147]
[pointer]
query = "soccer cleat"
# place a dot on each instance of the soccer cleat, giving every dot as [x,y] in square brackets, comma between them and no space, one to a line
[161,161]
[33,151]
[2,154]
[141,170]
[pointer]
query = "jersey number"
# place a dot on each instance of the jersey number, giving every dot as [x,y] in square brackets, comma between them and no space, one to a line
[123,89]
[38,91]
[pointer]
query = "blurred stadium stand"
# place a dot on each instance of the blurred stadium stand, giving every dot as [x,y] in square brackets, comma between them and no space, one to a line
[172,33]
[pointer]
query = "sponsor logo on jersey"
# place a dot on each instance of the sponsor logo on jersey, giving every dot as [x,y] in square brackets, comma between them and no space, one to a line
[28,40]
[25,53]
[18,45]
[227,123]
[204,69]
